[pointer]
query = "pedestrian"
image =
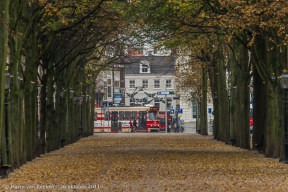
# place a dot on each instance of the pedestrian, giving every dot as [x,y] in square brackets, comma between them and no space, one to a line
[135,123]
[131,125]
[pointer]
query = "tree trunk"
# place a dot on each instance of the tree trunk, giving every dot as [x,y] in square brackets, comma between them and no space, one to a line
[221,112]
[15,120]
[240,95]
[212,78]
[259,93]
[203,114]
[30,73]
[51,126]
[4,15]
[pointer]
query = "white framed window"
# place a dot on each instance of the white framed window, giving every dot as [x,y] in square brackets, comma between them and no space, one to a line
[145,83]
[109,81]
[168,83]
[156,83]
[144,67]
[132,83]
[116,84]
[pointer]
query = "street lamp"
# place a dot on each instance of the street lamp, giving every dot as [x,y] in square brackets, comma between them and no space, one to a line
[228,94]
[71,94]
[62,94]
[19,79]
[232,140]
[31,86]
[87,98]
[7,88]
[284,86]
[273,77]
[81,98]
[39,86]
[7,80]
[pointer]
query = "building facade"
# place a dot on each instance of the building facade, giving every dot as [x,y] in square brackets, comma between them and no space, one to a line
[136,81]
[145,76]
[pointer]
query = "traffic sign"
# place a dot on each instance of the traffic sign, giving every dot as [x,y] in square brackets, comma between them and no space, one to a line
[209,110]
[171,111]
[165,93]
[180,111]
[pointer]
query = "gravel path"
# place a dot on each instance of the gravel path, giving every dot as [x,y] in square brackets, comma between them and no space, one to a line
[149,162]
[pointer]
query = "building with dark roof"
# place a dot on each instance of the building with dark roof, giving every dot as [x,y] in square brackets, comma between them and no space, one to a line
[156,65]
[147,75]
[135,80]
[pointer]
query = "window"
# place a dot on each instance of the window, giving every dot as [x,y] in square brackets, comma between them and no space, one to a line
[157,83]
[116,84]
[105,94]
[151,116]
[168,83]
[109,81]
[122,115]
[132,83]
[194,110]
[144,69]
[109,91]
[128,115]
[145,83]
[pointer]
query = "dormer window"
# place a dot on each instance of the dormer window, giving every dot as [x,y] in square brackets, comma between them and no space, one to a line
[144,67]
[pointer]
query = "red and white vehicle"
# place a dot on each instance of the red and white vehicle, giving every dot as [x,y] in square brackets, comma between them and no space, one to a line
[162,120]
[111,119]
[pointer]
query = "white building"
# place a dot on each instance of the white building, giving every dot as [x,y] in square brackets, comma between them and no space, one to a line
[138,81]
[145,76]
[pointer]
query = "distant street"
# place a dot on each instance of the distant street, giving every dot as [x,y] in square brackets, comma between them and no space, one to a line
[149,162]
[190,127]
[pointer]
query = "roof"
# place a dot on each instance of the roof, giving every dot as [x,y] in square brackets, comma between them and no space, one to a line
[135,54]
[158,64]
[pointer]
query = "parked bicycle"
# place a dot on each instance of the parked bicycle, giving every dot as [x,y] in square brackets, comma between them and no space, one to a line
[179,129]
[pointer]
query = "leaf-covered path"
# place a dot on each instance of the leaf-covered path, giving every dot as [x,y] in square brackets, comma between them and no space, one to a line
[149,162]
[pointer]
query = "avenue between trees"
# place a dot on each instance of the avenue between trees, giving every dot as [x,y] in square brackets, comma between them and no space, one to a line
[53,51]
[150,162]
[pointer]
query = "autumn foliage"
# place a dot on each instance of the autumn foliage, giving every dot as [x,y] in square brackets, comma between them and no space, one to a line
[151,162]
